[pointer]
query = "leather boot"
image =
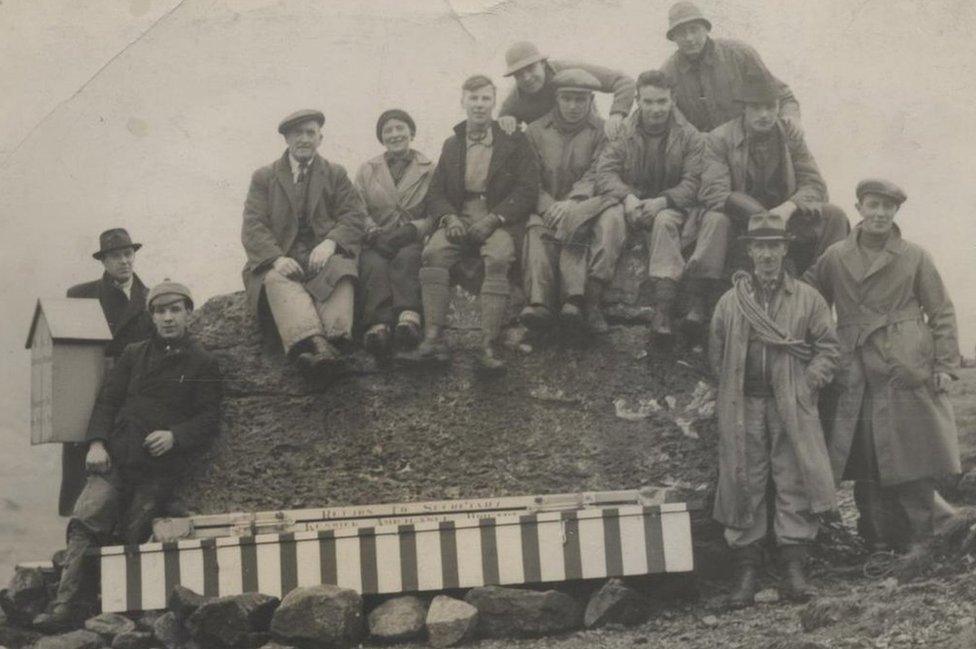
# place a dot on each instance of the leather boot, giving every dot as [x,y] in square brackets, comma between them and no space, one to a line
[571,315]
[665,291]
[435,291]
[319,355]
[697,317]
[747,562]
[536,317]
[376,340]
[494,305]
[593,299]
[794,557]
[407,332]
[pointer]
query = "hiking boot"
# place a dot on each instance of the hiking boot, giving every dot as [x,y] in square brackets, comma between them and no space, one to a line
[376,340]
[489,360]
[536,317]
[571,315]
[747,562]
[797,589]
[321,356]
[407,332]
[593,299]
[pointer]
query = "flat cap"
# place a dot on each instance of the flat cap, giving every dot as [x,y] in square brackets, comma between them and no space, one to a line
[881,187]
[576,79]
[168,291]
[300,116]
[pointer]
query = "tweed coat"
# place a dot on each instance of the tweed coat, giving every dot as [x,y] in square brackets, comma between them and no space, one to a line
[389,204]
[270,223]
[897,327]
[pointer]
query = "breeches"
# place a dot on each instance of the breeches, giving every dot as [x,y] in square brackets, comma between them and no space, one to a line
[298,315]
[711,246]
[389,286]
[770,455]
[497,254]
[664,259]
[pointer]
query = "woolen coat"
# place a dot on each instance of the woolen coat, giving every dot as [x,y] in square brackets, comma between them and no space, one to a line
[270,224]
[389,204]
[803,314]
[726,163]
[897,327]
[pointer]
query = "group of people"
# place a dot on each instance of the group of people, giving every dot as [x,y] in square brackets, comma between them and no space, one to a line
[710,171]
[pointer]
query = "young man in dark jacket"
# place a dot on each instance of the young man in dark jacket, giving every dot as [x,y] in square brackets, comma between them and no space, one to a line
[158,405]
[484,187]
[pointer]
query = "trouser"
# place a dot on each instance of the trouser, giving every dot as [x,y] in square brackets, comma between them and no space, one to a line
[554,272]
[769,454]
[122,502]
[299,316]
[711,246]
[389,286]
[72,475]
[664,259]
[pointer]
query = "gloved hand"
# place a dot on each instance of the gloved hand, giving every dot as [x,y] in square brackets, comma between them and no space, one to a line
[482,228]
[454,228]
[389,242]
[817,377]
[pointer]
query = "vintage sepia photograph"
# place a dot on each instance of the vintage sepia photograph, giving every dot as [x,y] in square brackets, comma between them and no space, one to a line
[487,323]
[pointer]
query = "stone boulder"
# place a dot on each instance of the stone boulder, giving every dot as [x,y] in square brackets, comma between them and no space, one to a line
[400,618]
[323,615]
[169,631]
[513,612]
[184,602]
[26,596]
[109,625]
[275,645]
[226,621]
[615,603]
[133,640]
[450,621]
[80,639]
[828,611]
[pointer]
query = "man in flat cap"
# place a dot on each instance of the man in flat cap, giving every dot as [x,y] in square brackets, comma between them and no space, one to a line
[303,226]
[123,298]
[894,432]
[757,162]
[484,187]
[654,170]
[158,405]
[708,73]
[574,238]
[772,347]
[534,94]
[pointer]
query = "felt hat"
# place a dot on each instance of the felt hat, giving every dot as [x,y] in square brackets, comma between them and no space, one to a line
[682,13]
[757,88]
[394,113]
[766,226]
[521,55]
[114,239]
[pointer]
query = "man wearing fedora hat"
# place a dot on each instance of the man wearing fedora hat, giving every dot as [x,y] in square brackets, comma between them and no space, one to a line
[574,237]
[534,94]
[708,73]
[756,162]
[158,406]
[894,432]
[773,347]
[122,296]
[302,230]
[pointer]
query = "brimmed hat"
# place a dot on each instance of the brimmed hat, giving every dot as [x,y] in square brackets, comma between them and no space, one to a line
[168,292]
[300,116]
[880,187]
[766,226]
[682,13]
[575,80]
[114,239]
[394,113]
[757,88]
[521,55]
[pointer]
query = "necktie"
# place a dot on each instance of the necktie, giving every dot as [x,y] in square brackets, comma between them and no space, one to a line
[302,172]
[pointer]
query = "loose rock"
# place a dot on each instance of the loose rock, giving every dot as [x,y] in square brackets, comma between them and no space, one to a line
[511,612]
[133,640]
[828,611]
[81,639]
[400,618]
[275,645]
[324,614]
[109,625]
[767,596]
[615,603]
[450,621]
[168,630]
[226,621]
[26,595]
[184,602]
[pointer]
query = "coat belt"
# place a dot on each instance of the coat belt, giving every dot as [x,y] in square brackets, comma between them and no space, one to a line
[868,323]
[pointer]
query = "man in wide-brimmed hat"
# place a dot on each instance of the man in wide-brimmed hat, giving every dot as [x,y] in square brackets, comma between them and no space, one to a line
[158,405]
[534,94]
[302,231]
[759,161]
[708,73]
[772,347]
[122,296]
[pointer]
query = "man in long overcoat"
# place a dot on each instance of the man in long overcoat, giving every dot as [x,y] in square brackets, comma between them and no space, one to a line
[894,432]
[158,405]
[123,298]
[302,230]
[574,238]
[773,347]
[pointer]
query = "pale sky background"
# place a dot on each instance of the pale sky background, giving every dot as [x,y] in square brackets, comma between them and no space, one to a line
[152,114]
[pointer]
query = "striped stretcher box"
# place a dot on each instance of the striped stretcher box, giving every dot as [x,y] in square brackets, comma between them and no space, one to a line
[506,549]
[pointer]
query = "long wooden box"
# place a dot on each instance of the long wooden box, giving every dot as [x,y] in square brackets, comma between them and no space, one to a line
[505,548]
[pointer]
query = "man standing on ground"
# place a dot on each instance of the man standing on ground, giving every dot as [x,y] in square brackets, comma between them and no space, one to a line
[574,239]
[123,298]
[484,187]
[303,226]
[773,347]
[156,408]
[894,432]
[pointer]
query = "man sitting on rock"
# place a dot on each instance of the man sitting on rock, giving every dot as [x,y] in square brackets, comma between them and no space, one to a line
[484,187]
[773,347]
[654,170]
[303,226]
[156,408]
[574,239]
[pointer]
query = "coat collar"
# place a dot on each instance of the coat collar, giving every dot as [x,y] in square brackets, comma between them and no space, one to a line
[850,256]
[592,119]
[708,57]
[740,134]
[316,181]
[136,302]
[502,145]
[419,167]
